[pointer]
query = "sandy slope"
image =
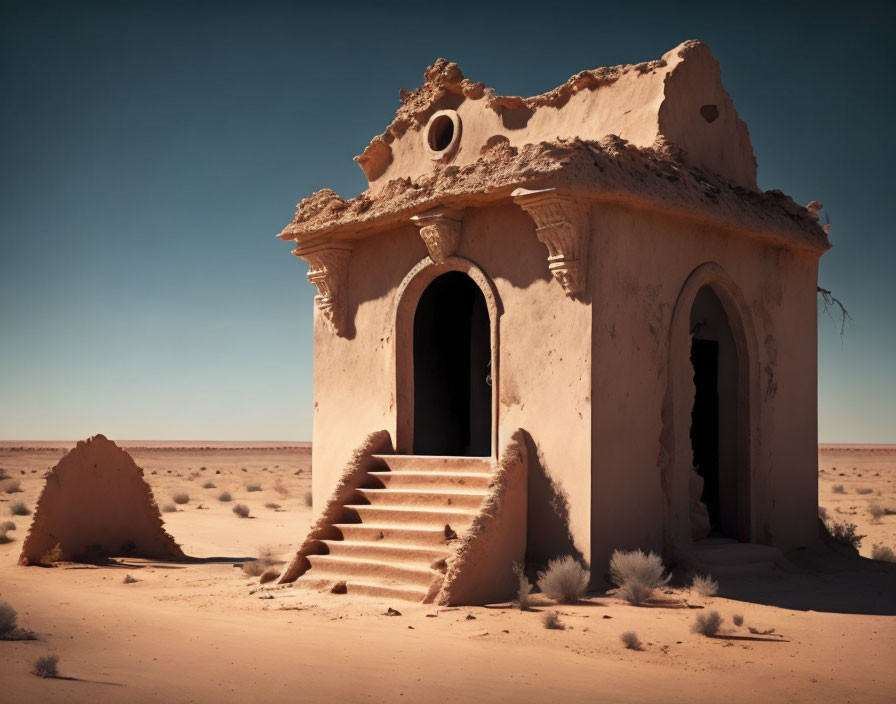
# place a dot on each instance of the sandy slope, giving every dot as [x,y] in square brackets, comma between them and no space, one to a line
[204,632]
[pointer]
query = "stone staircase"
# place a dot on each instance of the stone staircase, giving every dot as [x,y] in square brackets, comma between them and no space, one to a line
[392,537]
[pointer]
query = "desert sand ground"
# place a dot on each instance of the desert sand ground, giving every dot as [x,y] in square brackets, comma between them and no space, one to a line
[204,632]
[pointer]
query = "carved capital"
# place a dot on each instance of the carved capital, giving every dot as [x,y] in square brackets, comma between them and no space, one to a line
[328,270]
[440,230]
[561,223]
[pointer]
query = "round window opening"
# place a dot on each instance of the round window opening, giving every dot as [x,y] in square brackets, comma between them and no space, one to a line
[442,133]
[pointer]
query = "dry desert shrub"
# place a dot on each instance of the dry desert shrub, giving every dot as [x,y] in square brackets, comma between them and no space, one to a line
[630,640]
[564,580]
[883,553]
[208,485]
[46,666]
[524,589]
[636,575]
[18,508]
[7,619]
[272,505]
[308,499]
[877,512]
[180,498]
[707,624]
[265,561]
[253,568]
[845,534]
[224,496]
[129,580]
[4,527]
[169,508]
[738,619]
[280,488]
[864,490]
[551,620]
[241,510]
[253,487]
[704,585]
[11,486]
[838,489]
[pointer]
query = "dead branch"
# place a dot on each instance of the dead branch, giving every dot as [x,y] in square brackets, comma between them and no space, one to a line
[830,301]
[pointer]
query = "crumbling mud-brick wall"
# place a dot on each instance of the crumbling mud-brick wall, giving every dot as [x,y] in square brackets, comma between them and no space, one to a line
[96,503]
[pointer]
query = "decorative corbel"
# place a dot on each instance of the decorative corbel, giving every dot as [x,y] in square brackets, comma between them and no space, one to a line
[328,270]
[440,230]
[561,223]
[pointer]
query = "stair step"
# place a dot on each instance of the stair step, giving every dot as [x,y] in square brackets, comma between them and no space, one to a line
[373,571]
[358,588]
[424,498]
[458,519]
[435,463]
[404,479]
[386,552]
[405,535]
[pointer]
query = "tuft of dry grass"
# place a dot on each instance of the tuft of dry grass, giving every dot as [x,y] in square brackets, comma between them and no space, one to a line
[564,580]
[551,620]
[46,666]
[129,580]
[209,485]
[18,508]
[883,553]
[253,568]
[169,508]
[225,496]
[636,575]
[877,511]
[630,640]
[525,588]
[241,510]
[280,488]
[272,505]
[864,490]
[738,619]
[180,498]
[838,489]
[8,618]
[846,534]
[11,486]
[707,624]
[4,527]
[253,487]
[704,585]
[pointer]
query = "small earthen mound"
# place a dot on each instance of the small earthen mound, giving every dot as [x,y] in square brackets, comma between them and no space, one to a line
[95,504]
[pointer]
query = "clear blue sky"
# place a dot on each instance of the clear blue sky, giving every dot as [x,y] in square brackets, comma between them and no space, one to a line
[149,152]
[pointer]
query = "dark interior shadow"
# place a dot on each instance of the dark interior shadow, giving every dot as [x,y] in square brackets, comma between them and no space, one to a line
[832,581]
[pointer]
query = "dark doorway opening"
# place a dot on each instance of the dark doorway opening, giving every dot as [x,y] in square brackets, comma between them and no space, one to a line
[452,368]
[717,432]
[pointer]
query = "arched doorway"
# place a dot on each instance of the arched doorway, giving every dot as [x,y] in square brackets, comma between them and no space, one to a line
[718,415]
[452,369]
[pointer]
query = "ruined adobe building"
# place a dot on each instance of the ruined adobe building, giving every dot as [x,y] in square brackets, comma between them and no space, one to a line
[594,266]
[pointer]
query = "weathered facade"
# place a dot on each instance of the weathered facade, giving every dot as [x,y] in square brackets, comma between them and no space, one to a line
[594,266]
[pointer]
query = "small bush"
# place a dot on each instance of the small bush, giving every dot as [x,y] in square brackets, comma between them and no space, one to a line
[308,499]
[18,508]
[838,489]
[180,498]
[877,512]
[551,620]
[8,618]
[883,553]
[12,486]
[4,527]
[272,505]
[864,491]
[129,580]
[564,580]
[524,589]
[707,624]
[169,508]
[845,534]
[636,575]
[280,488]
[46,666]
[704,585]
[208,485]
[241,510]
[224,496]
[630,640]
[738,619]
[252,568]
[253,487]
